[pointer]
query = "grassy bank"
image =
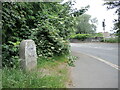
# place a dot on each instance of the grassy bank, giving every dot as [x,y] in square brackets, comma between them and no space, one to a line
[111,40]
[50,73]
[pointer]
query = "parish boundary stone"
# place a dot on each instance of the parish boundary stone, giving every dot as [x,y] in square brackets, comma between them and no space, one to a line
[28,56]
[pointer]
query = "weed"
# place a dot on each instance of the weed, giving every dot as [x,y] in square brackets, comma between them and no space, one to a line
[16,78]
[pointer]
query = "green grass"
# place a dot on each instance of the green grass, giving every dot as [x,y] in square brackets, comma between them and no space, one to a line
[55,75]
[111,40]
[51,62]
[0,79]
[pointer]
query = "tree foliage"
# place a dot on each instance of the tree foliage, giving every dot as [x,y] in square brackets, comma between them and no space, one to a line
[86,25]
[48,24]
[115,5]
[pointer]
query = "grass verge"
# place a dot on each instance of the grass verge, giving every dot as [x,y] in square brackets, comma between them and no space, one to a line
[112,40]
[50,73]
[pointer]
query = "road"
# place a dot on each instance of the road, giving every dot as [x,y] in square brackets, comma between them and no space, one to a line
[96,66]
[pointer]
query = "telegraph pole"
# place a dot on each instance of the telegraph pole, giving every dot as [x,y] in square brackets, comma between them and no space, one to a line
[103,25]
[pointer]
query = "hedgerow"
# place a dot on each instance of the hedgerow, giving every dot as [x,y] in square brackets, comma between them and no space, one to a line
[48,24]
[82,37]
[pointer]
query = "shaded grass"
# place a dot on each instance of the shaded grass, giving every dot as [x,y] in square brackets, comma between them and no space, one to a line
[57,77]
[112,40]
[0,79]
[51,62]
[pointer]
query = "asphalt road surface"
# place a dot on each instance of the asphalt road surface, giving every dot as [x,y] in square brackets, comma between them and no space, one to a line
[96,67]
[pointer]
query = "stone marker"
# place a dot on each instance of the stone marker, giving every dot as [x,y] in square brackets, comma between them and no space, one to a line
[28,56]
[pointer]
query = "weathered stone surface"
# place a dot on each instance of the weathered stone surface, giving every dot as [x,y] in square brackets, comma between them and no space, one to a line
[28,55]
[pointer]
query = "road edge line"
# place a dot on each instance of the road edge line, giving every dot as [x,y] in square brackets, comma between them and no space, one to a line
[104,61]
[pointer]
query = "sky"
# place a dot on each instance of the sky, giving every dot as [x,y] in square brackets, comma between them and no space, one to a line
[99,11]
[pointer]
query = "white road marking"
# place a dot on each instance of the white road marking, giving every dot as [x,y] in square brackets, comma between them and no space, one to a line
[104,61]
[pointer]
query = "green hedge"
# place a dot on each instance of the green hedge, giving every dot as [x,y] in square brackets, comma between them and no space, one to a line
[80,36]
[48,24]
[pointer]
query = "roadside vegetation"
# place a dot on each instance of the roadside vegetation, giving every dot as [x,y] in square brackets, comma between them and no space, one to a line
[82,37]
[50,25]
[50,73]
[111,40]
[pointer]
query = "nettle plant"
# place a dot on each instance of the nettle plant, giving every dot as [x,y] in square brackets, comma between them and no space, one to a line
[49,24]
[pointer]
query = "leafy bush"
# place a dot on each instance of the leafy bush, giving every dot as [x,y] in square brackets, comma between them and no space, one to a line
[81,37]
[48,24]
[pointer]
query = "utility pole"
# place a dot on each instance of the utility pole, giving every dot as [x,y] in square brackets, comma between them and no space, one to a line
[103,25]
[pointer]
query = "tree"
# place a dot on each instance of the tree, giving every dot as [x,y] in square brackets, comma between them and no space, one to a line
[85,24]
[94,22]
[113,5]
